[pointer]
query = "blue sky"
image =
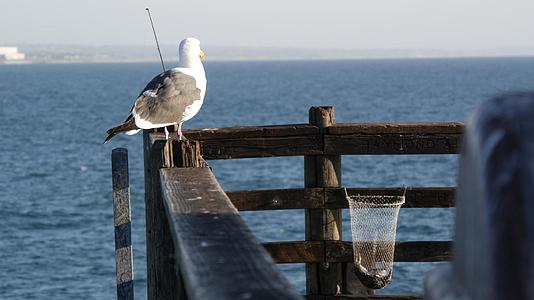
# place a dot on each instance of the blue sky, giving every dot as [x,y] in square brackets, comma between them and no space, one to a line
[465,25]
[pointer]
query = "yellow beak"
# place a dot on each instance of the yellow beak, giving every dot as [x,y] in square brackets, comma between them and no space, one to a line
[202,55]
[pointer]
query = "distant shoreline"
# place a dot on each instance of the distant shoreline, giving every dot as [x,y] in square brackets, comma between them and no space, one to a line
[64,54]
[259,59]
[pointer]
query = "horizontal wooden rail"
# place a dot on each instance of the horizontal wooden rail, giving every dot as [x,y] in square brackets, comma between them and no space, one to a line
[307,198]
[251,132]
[341,251]
[256,141]
[422,128]
[216,254]
[373,297]
[296,252]
[277,199]
[416,197]
[340,139]
[402,138]
[419,251]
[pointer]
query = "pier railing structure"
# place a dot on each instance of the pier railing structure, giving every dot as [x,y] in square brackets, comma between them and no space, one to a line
[198,247]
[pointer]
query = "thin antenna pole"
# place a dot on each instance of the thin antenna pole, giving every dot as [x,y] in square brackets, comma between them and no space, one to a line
[156,37]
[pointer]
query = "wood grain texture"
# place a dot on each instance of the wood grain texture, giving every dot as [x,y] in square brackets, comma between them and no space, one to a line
[339,139]
[251,132]
[255,141]
[161,276]
[418,251]
[341,251]
[397,128]
[362,144]
[296,252]
[369,297]
[389,138]
[277,199]
[186,154]
[416,197]
[262,147]
[312,198]
[323,171]
[216,253]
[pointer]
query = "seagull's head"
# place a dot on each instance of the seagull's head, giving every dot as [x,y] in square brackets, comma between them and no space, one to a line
[190,52]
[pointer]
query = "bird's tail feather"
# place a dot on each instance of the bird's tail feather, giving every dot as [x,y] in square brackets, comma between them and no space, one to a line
[126,126]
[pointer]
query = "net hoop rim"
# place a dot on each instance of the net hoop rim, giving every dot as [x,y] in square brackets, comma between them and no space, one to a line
[392,200]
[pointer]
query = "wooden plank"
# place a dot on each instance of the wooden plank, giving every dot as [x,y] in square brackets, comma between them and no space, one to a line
[186,154]
[251,132]
[256,141]
[122,218]
[400,138]
[368,297]
[291,140]
[216,253]
[341,251]
[311,198]
[277,199]
[335,129]
[323,224]
[307,139]
[363,144]
[162,281]
[416,197]
[261,145]
[418,251]
[296,252]
[397,128]
[292,252]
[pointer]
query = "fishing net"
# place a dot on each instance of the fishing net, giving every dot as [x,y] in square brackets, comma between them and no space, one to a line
[374,225]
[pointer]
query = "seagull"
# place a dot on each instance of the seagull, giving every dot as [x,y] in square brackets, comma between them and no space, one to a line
[170,98]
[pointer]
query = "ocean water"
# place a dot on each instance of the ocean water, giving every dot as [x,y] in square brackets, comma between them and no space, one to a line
[56,222]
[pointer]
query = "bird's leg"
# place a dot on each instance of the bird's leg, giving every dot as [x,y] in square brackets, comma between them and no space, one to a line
[181,136]
[166,133]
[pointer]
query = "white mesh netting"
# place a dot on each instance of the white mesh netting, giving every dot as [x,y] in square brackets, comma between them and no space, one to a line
[374,226]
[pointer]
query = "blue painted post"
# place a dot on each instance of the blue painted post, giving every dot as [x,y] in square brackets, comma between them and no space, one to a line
[123,229]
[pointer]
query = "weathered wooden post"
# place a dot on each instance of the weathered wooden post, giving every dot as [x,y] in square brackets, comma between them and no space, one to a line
[323,171]
[161,276]
[163,281]
[122,219]
[186,154]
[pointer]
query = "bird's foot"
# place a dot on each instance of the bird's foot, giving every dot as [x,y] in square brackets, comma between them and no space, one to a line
[181,136]
[166,133]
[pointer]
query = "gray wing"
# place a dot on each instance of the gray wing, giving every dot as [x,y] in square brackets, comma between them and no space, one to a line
[166,97]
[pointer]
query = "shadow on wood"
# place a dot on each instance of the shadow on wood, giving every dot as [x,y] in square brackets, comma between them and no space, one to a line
[215,251]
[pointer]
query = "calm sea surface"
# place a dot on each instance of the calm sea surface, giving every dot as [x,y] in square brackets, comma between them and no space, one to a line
[56,222]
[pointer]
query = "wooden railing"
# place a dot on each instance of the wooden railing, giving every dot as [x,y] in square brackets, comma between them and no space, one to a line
[198,247]
[340,139]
